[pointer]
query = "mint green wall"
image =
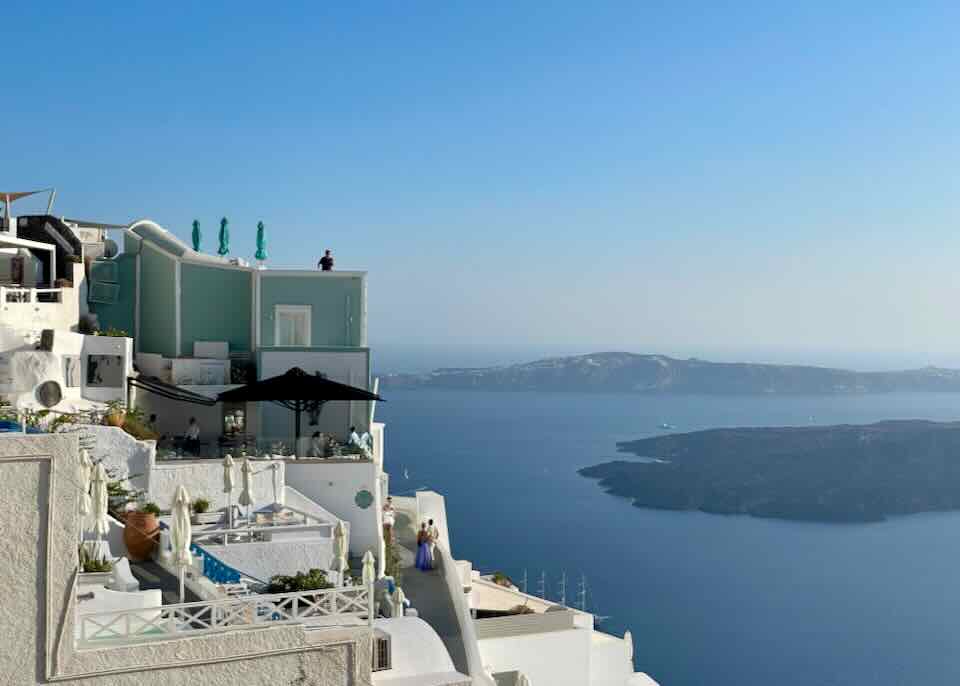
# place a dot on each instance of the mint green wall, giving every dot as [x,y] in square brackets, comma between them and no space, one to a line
[157,302]
[332,299]
[121,315]
[215,305]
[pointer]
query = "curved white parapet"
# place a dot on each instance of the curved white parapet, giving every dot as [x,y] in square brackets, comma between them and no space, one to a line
[450,574]
[105,601]
[641,679]
[415,648]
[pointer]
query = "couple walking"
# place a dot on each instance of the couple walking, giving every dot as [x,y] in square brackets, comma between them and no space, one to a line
[427,539]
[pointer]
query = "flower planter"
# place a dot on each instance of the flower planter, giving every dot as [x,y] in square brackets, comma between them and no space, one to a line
[140,535]
[115,419]
[94,579]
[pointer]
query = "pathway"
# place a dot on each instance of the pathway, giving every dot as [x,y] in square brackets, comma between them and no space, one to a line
[428,593]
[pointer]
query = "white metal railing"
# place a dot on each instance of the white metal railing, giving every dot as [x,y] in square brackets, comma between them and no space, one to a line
[331,607]
[30,295]
[257,531]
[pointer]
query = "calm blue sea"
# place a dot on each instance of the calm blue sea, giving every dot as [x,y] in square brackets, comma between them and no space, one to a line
[710,599]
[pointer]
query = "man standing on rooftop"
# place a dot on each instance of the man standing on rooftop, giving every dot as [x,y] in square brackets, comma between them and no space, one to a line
[326,262]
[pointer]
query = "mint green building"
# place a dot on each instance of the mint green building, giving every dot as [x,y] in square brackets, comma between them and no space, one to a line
[207,323]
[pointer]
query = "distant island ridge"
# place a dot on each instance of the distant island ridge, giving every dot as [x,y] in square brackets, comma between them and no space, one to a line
[636,373]
[843,473]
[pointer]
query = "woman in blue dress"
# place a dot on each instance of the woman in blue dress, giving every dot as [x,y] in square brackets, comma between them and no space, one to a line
[424,561]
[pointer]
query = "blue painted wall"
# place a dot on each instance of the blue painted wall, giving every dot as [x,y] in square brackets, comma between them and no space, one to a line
[215,305]
[337,306]
[157,302]
[121,315]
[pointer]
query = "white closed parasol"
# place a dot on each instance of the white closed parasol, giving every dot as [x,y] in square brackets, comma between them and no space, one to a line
[340,551]
[86,503]
[228,488]
[246,492]
[99,503]
[181,534]
[279,497]
[369,578]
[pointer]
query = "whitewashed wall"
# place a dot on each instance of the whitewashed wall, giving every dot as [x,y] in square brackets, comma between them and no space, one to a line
[334,486]
[558,658]
[263,560]
[64,315]
[204,478]
[22,368]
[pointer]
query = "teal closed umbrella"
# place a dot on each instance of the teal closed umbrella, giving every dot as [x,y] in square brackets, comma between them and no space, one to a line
[224,238]
[261,242]
[197,236]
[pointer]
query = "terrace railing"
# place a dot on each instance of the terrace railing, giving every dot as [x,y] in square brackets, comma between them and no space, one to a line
[329,607]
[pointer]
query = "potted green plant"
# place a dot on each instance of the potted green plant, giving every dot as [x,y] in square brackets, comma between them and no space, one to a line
[116,413]
[141,532]
[93,573]
[199,506]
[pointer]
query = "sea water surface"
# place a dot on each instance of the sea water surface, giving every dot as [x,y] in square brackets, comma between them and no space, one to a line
[710,599]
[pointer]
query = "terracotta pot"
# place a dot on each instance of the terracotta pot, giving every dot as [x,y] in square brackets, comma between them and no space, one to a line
[115,419]
[140,535]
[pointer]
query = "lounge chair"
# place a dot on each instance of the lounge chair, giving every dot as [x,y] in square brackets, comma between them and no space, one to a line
[123,579]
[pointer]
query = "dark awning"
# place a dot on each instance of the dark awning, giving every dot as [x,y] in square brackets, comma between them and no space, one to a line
[298,391]
[154,385]
[294,389]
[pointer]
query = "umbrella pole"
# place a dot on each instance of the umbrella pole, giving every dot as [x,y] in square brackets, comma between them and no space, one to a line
[182,592]
[296,438]
[226,537]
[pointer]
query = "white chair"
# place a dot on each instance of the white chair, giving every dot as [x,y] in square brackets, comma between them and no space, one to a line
[123,579]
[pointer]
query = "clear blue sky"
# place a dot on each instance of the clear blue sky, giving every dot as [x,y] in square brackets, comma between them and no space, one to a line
[666,176]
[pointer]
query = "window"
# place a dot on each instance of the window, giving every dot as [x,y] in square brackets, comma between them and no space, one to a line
[381,651]
[105,371]
[291,325]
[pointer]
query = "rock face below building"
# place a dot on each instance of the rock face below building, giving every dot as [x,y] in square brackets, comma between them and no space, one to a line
[833,473]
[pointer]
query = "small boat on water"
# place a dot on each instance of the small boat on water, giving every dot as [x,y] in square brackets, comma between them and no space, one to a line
[667,427]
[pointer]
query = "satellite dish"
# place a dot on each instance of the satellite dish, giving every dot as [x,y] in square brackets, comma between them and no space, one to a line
[49,393]
[110,249]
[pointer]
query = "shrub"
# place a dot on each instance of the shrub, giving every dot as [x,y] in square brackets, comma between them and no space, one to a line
[111,331]
[61,420]
[391,563]
[201,505]
[502,579]
[137,428]
[313,580]
[150,508]
[88,564]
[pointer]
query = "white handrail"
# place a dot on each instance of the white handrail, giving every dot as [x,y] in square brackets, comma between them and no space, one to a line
[249,531]
[339,604]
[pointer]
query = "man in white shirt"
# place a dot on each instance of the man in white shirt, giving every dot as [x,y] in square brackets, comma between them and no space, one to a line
[317,448]
[434,533]
[389,517]
[192,442]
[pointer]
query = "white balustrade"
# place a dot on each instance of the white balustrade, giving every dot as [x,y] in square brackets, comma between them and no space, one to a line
[329,607]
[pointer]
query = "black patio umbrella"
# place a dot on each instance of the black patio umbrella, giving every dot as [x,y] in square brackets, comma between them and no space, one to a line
[298,391]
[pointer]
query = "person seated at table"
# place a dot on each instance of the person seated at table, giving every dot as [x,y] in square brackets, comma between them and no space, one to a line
[192,438]
[358,442]
[317,448]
